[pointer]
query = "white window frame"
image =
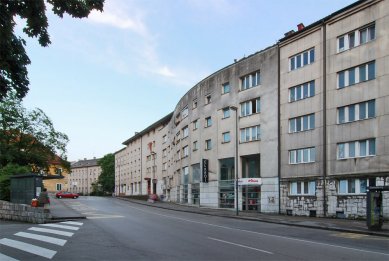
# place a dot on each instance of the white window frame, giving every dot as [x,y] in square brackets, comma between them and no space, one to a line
[208,144]
[302,92]
[357,37]
[195,145]
[357,73]
[343,186]
[293,128]
[246,108]
[226,137]
[226,113]
[302,156]
[293,60]
[195,124]
[249,134]
[250,81]
[343,150]
[185,132]
[208,122]
[226,88]
[184,113]
[357,109]
[295,185]
[185,151]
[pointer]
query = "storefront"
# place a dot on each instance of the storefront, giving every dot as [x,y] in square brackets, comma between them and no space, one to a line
[251,193]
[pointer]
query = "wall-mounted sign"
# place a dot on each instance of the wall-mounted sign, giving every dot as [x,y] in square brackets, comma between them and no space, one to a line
[250,181]
[205,176]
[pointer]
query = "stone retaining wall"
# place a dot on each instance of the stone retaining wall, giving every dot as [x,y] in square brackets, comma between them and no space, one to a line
[24,213]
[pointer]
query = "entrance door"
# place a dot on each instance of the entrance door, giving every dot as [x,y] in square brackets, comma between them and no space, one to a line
[251,198]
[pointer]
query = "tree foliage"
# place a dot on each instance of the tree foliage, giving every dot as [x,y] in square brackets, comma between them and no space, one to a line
[28,138]
[5,178]
[13,57]
[107,177]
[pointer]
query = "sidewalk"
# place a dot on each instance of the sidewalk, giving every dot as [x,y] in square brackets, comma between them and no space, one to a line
[334,224]
[60,212]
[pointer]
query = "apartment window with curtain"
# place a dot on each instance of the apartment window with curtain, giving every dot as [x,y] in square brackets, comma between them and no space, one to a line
[185,132]
[304,155]
[357,37]
[250,81]
[353,186]
[356,149]
[358,74]
[250,107]
[302,123]
[302,59]
[250,134]
[298,188]
[356,112]
[302,91]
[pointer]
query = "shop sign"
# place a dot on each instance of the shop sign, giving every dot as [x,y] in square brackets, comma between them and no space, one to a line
[249,181]
[205,171]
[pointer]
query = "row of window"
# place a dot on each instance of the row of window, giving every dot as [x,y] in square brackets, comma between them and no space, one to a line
[357,74]
[345,150]
[345,186]
[356,38]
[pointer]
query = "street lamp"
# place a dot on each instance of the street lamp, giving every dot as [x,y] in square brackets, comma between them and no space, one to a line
[236,160]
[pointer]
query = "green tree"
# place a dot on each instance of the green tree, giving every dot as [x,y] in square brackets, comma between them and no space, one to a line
[5,181]
[13,57]
[107,177]
[28,138]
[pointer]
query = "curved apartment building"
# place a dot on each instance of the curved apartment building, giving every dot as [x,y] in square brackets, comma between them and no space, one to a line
[300,128]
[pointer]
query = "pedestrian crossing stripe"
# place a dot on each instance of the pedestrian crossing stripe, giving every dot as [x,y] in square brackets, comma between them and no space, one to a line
[52,240]
[60,226]
[52,231]
[72,223]
[7,258]
[36,250]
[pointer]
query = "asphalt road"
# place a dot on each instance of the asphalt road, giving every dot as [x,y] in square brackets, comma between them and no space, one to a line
[120,230]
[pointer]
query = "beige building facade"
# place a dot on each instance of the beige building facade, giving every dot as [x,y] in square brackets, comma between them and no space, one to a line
[301,127]
[333,112]
[84,173]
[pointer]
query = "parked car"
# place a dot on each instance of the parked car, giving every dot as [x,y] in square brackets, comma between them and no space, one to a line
[65,194]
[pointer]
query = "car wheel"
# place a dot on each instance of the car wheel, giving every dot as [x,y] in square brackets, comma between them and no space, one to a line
[60,197]
[74,197]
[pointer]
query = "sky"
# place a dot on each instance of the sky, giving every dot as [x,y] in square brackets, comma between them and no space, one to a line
[115,73]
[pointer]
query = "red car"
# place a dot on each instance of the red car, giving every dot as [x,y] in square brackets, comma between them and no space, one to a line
[64,194]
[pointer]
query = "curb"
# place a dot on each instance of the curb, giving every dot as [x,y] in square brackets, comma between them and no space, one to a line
[355,231]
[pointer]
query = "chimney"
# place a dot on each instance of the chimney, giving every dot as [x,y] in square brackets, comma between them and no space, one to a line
[289,33]
[300,26]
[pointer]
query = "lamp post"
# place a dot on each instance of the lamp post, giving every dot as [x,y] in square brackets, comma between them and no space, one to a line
[236,160]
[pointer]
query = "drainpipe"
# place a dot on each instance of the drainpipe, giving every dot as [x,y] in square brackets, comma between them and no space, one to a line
[279,129]
[324,119]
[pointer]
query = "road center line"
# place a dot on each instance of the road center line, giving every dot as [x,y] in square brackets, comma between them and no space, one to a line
[239,245]
[262,234]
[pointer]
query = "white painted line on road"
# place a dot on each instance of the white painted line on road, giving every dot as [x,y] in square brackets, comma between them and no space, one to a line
[36,250]
[72,223]
[239,245]
[52,231]
[7,258]
[52,240]
[60,226]
[262,234]
[98,216]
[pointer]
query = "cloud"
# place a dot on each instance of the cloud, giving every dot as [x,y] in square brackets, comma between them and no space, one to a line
[165,71]
[118,15]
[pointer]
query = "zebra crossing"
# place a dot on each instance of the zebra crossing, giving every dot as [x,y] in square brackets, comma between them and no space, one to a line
[49,234]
